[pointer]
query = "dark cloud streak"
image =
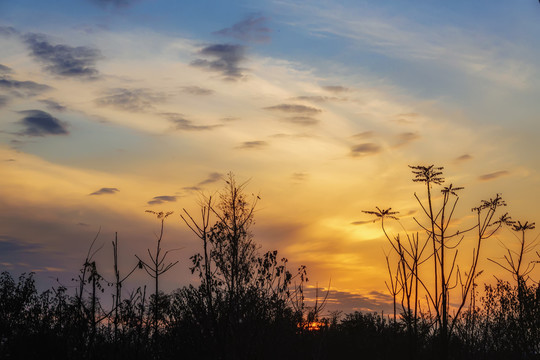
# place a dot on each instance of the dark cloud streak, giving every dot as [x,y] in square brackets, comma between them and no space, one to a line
[335,88]
[104,191]
[406,138]
[294,108]
[161,199]
[493,175]
[41,123]
[5,69]
[227,59]
[22,88]
[8,31]
[258,144]
[196,90]
[64,60]
[365,149]
[302,120]
[132,100]
[10,245]
[251,29]
[181,123]
[53,105]
[212,178]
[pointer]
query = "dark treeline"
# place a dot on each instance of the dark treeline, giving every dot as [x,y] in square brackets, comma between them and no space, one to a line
[249,305]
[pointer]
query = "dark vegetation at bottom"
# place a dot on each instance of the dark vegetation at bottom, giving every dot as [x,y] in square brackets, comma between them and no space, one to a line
[50,326]
[248,305]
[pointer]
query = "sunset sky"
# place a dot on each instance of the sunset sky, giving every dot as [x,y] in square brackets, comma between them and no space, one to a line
[109,108]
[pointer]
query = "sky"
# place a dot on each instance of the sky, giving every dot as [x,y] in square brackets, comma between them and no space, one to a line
[109,108]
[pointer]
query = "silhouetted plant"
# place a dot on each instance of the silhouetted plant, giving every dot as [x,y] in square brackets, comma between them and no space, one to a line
[515,262]
[157,267]
[444,245]
[241,293]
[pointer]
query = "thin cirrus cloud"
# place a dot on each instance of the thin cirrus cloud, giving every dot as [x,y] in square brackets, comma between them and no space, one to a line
[12,245]
[64,60]
[181,123]
[226,59]
[257,144]
[294,108]
[463,48]
[105,191]
[53,105]
[317,98]
[343,299]
[336,89]
[22,88]
[299,176]
[5,69]
[212,178]
[463,158]
[156,200]
[493,175]
[41,123]
[8,31]
[132,100]
[364,135]
[365,149]
[301,120]
[405,138]
[362,222]
[406,118]
[197,90]
[251,29]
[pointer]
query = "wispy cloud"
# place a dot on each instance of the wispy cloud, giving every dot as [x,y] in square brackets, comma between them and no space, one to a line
[364,135]
[466,50]
[226,60]
[336,89]
[302,120]
[41,123]
[405,118]
[105,190]
[251,29]
[5,69]
[197,90]
[493,175]
[300,176]
[64,60]
[365,149]
[10,245]
[192,188]
[294,108]
[133,100]
[53,105]
[212,178]
[258,144]
[318,98]
[181,123]
[361,222]
[8,31]
[372,301]
[462,158]
[22,88]
[405,138]
[162,199]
